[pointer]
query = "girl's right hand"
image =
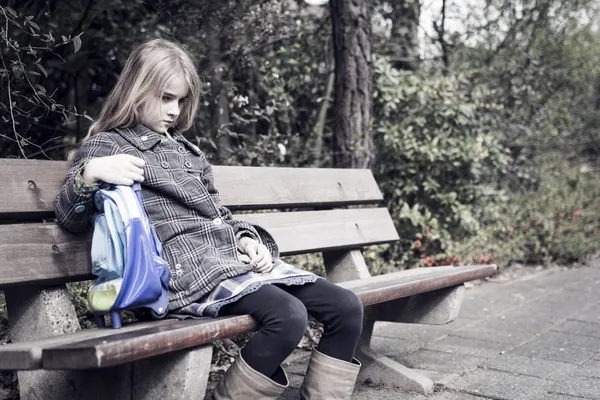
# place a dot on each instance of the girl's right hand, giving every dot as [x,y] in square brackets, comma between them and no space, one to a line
[120,169]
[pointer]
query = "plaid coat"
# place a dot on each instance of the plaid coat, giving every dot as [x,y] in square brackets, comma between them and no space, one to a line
[198,235]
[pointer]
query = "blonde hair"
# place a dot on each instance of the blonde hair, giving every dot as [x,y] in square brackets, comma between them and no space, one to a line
[148,70]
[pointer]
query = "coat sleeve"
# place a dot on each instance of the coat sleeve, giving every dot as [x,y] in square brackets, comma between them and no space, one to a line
[74,210]
[241,228]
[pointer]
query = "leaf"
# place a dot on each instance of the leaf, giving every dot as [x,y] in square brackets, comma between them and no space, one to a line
[88,117]
[33,24]
[40,88]
[77,43]
[42,69]
[64,39]
[11,12]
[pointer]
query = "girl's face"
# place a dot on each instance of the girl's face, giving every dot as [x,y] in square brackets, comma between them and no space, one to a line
[161,114]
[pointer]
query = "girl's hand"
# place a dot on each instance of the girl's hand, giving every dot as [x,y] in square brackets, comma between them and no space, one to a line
[120,169]
[259,254]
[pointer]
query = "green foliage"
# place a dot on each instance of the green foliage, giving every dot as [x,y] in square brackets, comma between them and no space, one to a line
[3,313]
[24,100]
[541,65]
[274,83]
[59,60]
[312,262]
[78,292]
[558,222]
[438,159]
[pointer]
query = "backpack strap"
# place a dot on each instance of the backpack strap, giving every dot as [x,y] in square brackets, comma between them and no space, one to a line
[137,189]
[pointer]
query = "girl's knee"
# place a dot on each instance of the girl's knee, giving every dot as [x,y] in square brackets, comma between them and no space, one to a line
[350,311]
[289,317]
[295,314]
[295,321]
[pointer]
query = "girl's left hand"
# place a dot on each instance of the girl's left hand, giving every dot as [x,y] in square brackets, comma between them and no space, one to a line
[259,255]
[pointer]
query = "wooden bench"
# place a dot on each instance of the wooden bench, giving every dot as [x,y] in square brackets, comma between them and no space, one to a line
[171,358]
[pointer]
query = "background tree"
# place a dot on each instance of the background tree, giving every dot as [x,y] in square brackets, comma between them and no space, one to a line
[351,23]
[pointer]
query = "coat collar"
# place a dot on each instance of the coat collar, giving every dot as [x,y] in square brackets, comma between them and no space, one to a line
[140,136]
[144,138]
[178,136]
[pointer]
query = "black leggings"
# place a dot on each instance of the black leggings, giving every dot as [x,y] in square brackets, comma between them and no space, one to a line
[281,312]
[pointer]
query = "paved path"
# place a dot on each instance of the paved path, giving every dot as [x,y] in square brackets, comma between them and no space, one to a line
[536,337]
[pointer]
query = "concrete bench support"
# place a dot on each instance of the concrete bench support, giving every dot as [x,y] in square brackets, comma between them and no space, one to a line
[380,369]
[175,376]
[35,313]
[40,313]
[432,308]
[436,307]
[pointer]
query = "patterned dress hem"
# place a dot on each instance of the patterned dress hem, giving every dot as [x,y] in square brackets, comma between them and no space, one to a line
[235,288]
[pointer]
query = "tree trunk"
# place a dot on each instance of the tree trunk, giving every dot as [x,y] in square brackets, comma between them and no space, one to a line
[219,106]
[404,42]
[352,142]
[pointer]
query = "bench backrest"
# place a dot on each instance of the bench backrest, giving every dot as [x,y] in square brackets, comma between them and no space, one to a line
[325,216]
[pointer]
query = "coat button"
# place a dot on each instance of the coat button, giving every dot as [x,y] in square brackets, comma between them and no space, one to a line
[188,164]
[181,149]
[156,149]
[144,138]
[217,221]
[79,208]
[164,164]
[177,266]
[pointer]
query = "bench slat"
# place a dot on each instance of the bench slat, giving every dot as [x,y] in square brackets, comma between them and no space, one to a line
[28,355]
[314,231]
[123,347]
[29,187]
[45,253]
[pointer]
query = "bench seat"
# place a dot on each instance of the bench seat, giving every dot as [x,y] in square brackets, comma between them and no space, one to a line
[96,348]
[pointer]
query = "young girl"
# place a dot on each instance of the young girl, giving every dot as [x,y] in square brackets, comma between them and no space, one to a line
[219,266]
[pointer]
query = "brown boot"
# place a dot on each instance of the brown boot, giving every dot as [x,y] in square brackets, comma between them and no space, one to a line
[328,378]
[241,382]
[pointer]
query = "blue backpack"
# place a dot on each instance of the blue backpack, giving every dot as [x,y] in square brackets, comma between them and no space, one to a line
[126,257]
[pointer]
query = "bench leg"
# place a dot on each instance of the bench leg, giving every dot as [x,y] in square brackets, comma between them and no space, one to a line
[380,369]
[102,384]
[435,308]
[35,313]
[438,307]
[181,375]
[345,265]
[349,265]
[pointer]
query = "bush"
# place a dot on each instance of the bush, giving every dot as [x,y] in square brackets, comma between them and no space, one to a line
[438,160]
[557,222]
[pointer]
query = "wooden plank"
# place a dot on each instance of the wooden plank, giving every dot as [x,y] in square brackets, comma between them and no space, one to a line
[118,349]
[314,231]
[29,187]
[396,285]
[45,253]
[295,187]
[28,355]
[133,346]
